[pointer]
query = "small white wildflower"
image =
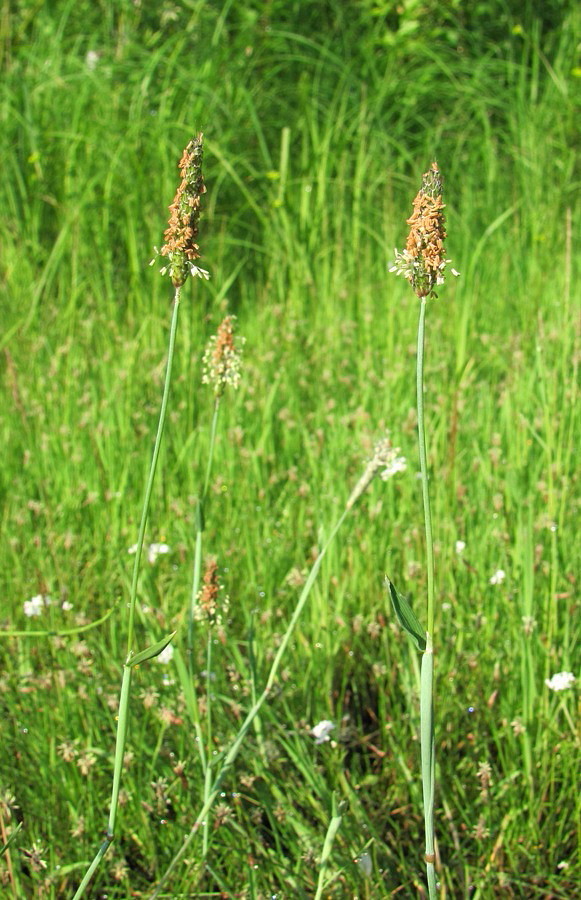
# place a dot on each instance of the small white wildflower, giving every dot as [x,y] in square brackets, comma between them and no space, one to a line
[34,606]
[498,577]
[322,730]
[91,59]
[165,656]
[562,681]
[66,606]
[460,546]
[155,550]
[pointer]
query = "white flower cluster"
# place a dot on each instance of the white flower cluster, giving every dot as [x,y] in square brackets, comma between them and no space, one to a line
[498,577]
[322,730]
[36,605]
[153,551]
[562,681]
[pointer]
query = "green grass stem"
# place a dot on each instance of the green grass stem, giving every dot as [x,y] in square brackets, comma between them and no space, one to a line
[152,471]
[123,713]
[427,669]
[205,754]
[338,810]
[424,472]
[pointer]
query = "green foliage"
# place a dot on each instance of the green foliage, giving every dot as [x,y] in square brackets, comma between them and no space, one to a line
[406,616]
[151,652]
[319,120]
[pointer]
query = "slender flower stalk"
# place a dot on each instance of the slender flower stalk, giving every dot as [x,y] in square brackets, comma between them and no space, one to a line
[222,363]
[210,607]
[423,263]
[181,250]
[427,739]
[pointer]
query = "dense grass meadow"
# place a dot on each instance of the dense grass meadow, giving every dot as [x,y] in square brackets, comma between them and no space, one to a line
[319,119]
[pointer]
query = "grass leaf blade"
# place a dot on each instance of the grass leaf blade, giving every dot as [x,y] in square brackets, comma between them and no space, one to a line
[406,616]
[150,652]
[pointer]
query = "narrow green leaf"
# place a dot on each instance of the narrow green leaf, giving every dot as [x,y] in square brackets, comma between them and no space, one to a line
[406,616]
[150,652]
[10,839]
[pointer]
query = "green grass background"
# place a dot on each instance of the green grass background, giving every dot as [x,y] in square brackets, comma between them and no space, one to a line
[319,120]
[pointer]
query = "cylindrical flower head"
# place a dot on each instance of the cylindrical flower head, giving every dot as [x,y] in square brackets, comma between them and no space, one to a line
[181,234]
[210,606]
[423,260]
[385,457]
[222,359]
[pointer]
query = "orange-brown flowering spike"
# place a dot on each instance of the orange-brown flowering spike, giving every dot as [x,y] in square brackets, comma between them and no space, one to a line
[181,234]
[210,606]
[423,261]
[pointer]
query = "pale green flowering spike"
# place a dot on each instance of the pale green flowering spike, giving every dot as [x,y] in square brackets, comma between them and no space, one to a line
[222,360]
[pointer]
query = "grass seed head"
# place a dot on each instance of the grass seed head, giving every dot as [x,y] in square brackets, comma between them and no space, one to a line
[222,359]
[423,261]
[181,234]
[210,605]
[386,457]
